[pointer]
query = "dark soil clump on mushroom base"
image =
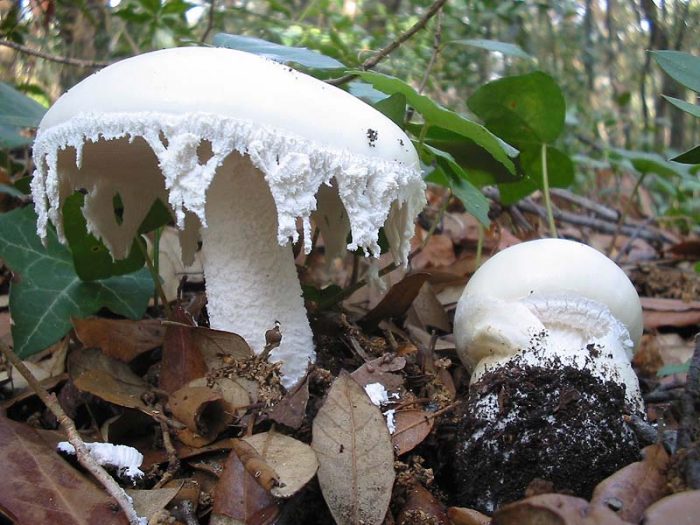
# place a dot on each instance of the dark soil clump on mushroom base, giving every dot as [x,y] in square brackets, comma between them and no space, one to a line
[524,423]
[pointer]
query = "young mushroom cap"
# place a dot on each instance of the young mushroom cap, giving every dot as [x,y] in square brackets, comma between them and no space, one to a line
[551,298]
[239,147]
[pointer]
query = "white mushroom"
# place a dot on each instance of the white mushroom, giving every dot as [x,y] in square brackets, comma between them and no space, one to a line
[551,299]
[238,146]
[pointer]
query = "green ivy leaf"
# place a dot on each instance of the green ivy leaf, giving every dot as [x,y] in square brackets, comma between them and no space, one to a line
[494,45]
[91,258]
[46,292]
[521,109]
[18,110]
[681,67]
[285,54]
[436,115]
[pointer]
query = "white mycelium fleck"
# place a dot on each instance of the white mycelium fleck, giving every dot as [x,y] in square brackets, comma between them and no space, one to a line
[548,300]
[221,135]
[126,459]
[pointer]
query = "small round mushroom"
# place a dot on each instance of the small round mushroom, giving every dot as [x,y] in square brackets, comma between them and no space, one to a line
[548,328]
[240,147]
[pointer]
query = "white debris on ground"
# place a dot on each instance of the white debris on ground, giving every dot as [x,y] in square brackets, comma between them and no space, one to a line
[379,396]
[126,459]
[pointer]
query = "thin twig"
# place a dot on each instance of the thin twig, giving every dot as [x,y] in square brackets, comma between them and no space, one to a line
[173,460]
[81,451]
[386,51]
[602,211]
[91,64]
[437,41]
[428,417]
[210,21]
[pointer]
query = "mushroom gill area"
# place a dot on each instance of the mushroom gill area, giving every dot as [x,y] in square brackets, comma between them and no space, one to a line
[141,157]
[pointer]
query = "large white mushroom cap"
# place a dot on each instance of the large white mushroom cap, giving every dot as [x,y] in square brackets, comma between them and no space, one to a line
[164,124]
[551,298]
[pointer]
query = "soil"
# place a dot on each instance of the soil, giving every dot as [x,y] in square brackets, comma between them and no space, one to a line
[550,423]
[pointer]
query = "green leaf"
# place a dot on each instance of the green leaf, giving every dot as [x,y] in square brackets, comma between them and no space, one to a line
[366,92]
[17,110]
[681,67]
[645,162]
[474,201]
[393,107]
[9,189]
[91,258]
[482,168]
[285,54]
[560,167]
[512,192]
[11,139]
[692,156]
[436,115]
[46,292]
[521,109]
[494,45]
[693,109]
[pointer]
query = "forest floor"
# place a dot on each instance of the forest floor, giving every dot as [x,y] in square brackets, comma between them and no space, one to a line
[232,446]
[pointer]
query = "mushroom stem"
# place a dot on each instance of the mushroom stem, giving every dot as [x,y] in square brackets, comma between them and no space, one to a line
[252,281]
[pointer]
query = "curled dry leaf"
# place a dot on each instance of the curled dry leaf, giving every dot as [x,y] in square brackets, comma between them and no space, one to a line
[682,508]
[256,465]
[239,499]
[422,507]
[291,408]
[204,412]
[555,509]
[462,516]
[53,364]
[121,339]
[235,391]
[412,427]
[295,462]
[355,455]
[39,487]
[633,488]
[397,300]
[669,312]
[182,359]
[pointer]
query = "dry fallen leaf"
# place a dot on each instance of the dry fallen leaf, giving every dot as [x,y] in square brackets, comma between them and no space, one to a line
[397,300]
[355,455]
[148,502]
[380,370]
[53,364]
[256,465]
[294,462]
[239,499]
[427,312]
[120,338]
[421,505]
[669,312]
[555,509]
[290,410]
[218,346]
[182,359]
[235,391]
[462,516]
[636,486]
[682,508]
[412,427]
[39,487]
[106,378]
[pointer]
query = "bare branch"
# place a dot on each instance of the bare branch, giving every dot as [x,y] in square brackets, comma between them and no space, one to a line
[90,64]
[81,451]
[386,51]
